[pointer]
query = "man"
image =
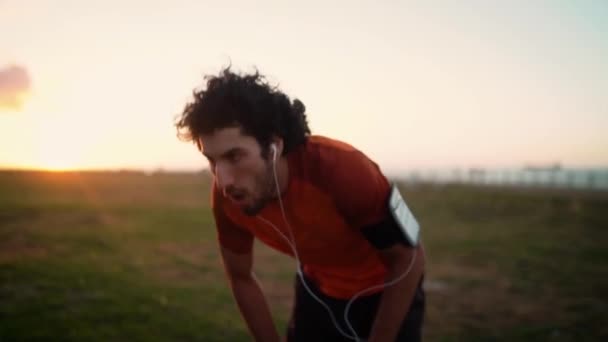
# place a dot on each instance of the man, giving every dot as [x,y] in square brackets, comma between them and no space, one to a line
[317,199]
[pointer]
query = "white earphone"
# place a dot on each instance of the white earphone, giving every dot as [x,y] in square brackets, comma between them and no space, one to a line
[352,334]
[273,147]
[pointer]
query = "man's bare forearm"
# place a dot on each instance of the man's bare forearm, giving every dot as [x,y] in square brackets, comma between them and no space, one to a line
[254,308]
[397,299]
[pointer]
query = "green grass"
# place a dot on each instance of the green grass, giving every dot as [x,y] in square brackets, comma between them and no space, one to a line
[133,257]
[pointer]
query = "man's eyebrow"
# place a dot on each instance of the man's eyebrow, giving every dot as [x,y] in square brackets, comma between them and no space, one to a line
[225,154]
[231,151]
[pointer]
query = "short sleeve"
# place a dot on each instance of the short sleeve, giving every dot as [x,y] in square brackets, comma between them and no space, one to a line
[359,188]
[230,236]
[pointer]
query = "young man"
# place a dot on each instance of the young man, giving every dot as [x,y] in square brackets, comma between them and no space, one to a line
[311,197]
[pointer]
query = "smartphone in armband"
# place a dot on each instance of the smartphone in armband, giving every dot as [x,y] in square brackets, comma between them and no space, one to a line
[403,216]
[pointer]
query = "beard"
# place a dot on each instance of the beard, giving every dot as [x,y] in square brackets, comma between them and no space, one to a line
[265,189]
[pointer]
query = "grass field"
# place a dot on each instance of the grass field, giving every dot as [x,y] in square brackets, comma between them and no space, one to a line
[133,257]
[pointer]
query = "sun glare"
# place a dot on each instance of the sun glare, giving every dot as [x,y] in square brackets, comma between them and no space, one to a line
[58,166]
[58,146]
[57,156]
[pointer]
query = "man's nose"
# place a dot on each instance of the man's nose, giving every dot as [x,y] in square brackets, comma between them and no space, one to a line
[223,176]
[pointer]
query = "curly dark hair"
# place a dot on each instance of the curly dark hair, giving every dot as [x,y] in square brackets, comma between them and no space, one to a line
[246,100]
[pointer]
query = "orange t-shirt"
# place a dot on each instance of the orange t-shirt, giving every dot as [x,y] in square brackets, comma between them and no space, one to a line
[333,191]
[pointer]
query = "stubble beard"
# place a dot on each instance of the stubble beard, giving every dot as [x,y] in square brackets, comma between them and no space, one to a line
[266,184]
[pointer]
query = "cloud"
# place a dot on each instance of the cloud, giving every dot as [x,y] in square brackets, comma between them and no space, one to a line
[14,85]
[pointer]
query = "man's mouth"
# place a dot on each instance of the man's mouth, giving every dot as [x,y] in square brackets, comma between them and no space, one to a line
[237,196]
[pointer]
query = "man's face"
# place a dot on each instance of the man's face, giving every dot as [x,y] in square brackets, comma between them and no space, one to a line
[239,170]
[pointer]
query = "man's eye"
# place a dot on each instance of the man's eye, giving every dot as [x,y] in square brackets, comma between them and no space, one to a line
[234,157]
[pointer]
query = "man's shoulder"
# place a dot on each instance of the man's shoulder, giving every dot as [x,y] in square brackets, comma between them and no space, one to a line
[349,177]
[323,151]
[328,144]
[325,160]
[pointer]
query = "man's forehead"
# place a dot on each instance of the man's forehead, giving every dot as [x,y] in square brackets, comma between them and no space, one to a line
[222,140]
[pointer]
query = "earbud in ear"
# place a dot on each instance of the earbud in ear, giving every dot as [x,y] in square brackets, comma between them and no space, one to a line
[273,147]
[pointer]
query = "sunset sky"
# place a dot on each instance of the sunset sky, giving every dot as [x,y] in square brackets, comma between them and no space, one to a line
[425,84]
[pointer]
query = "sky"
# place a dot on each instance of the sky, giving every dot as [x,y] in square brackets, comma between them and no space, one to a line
[413,84]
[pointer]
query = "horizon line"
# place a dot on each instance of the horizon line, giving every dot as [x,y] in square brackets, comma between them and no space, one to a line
[160,170]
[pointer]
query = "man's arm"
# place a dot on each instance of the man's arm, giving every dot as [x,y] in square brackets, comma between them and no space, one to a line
[397,298]
[366,207]
[249,296]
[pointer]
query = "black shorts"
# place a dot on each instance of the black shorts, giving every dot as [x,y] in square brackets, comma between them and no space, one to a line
[310,321]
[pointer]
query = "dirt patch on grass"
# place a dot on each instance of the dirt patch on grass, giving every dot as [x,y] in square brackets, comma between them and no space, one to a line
[18,247]
[183,263]
[478,297]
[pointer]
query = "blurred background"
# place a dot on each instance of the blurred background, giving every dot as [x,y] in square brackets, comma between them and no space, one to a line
[491,116]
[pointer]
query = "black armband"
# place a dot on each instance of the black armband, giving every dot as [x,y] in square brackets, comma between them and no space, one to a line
[398,226]
[384,234]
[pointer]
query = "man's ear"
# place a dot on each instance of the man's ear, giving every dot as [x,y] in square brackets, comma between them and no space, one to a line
[278,143]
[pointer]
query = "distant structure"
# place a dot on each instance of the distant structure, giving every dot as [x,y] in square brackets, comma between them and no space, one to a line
[552,175]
